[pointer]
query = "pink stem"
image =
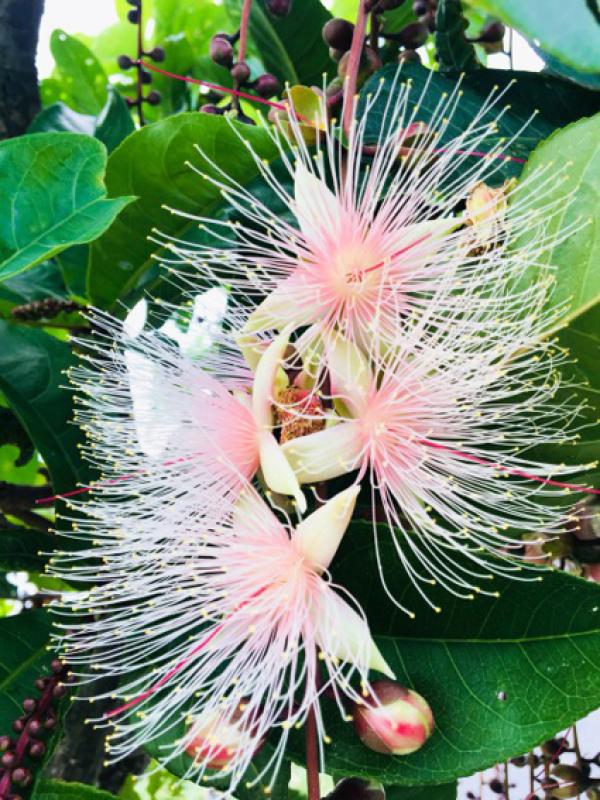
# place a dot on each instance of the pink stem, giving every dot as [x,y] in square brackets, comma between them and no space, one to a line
[245,18]
[353,65]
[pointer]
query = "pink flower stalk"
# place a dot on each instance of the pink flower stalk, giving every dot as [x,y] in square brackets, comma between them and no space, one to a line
[172,436]
[361,234]
[441,436]
[234,627]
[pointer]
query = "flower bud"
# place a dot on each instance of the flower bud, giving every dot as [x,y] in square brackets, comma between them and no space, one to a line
[221,51]
[240,72]
[337,34]
[413,35]
[125,62]
[370,62]
[5,743]
[409,55]
[218,739]
[572,782]
[157,54]
[279,8]
[153,98]
[394,720]
[267,85]
[486,210]
[357,789]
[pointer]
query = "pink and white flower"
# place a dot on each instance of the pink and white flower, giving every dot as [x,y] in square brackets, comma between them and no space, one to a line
[363,234]
[240,631]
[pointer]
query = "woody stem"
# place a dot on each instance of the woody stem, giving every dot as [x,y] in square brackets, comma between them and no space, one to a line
[312,757]
[356,47]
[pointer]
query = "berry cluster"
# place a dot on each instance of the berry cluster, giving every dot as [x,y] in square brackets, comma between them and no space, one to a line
[144,77]
[27,746]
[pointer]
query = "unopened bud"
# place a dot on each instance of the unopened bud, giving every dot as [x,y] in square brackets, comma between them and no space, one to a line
[240,72]
[572,782]
[486,209]
[215,740]
[125,62]
[221,51]
[267,85]
[410,56]
[337,33]
[370,62]
[413,35]
[357,789]
[157,54]
[279,8]
[394,720]
[153,98]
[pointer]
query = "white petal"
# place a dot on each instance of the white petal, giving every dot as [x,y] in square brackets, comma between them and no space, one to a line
[264,381]
[317,208]
[319,535]
[152,406]
[326,454]
[276,470]
[342,633]
[350,374]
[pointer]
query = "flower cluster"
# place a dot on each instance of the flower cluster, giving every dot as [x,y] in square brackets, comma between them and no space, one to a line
[387,346]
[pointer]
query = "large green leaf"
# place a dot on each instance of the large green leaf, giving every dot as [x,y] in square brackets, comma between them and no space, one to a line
[60,790]
[292,48]
[81,81]
[32,364]
[111,126]
[151,163]
[557,104]
[501,674]
[20,549]
[52,196]
[570,31]
[576,151]
[446,791]
[24,658]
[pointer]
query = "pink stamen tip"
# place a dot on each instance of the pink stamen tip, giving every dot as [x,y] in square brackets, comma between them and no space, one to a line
[181,664]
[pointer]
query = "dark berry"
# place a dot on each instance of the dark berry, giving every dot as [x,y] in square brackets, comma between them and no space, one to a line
[492,33]
[337,33]
[153,98]
[19,725]
[240,72]
[37,750]
[413,35]
[420,8]
[158,54]
[209,108]
[279,8]
[56,666]
[221,51]
[59,691]
[266,85]
[125,62]
[133,16]
[29,705]
[49,723]
[8,759]
[35,727]
[146,77]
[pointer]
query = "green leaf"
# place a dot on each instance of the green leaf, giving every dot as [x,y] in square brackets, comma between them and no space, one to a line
[20,549]
[151,163]
[555,67]
[32,364]
[60,790]
[446,791]
[82,81]
[291,48]
[455,53]
[557,104]
[571,32]
[59,118]
[576,150]
[114,122]
[501,674]
[24,658]
[52,194]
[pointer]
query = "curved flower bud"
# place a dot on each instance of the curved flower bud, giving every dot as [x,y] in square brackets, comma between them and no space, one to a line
[216,740]
[394,720]
[318,537]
